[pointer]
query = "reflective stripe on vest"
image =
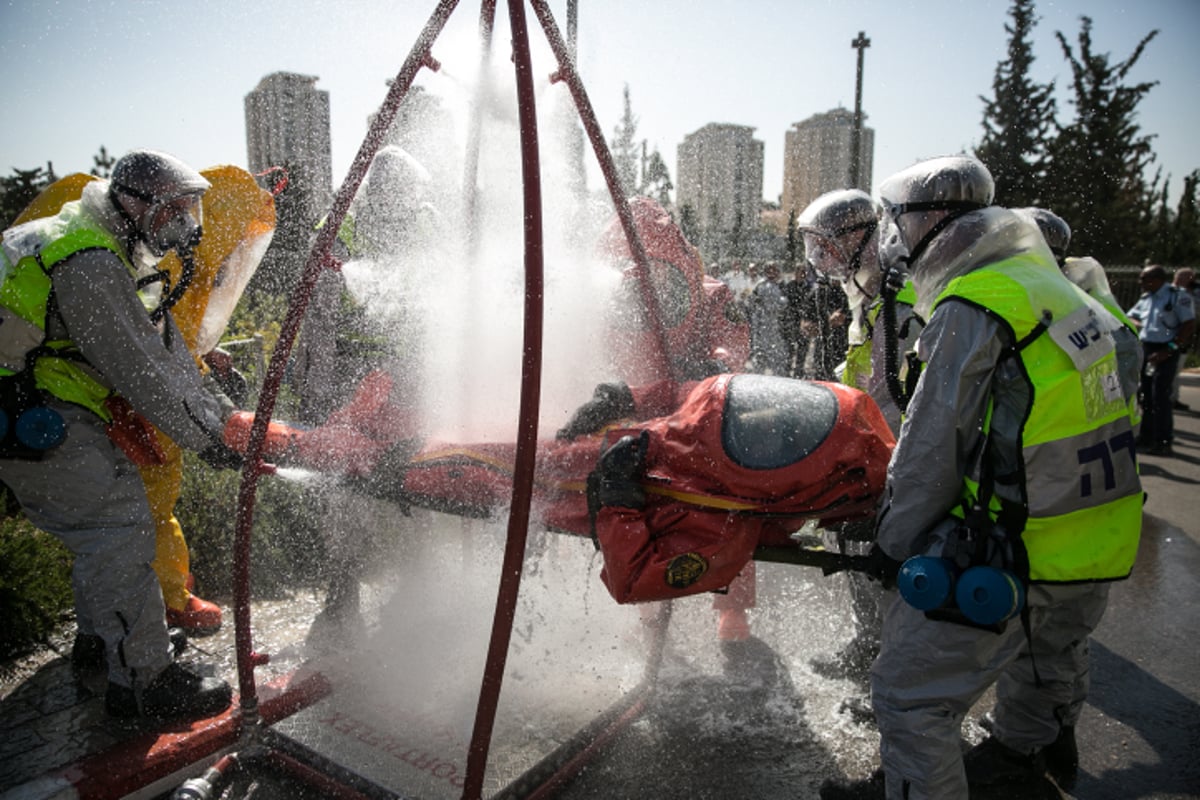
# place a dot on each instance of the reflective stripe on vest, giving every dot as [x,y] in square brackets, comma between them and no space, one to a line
[1077,459]
[40,245]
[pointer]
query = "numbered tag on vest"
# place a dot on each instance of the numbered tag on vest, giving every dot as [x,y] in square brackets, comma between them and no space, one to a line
[1083,336]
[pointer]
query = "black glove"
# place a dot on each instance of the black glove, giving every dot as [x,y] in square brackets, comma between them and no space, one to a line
[881,567]
[218,456]
[616,481]
[610,402]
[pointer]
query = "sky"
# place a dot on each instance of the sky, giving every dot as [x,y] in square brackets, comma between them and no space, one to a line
[171,75]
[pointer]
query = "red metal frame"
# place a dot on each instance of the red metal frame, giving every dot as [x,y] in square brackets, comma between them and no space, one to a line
[319,258]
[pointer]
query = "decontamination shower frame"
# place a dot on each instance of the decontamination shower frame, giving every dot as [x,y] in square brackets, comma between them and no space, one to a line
[320,259]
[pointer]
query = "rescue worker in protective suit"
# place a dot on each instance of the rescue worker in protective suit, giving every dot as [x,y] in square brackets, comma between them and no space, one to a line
[239,220]
[1018,446]
[84,357]
[676,483]
[1088,274]
[841,242]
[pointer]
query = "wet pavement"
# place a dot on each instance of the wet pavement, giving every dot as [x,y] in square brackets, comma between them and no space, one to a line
[754,720]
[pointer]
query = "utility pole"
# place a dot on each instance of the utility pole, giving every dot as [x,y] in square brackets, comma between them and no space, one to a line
[860,44]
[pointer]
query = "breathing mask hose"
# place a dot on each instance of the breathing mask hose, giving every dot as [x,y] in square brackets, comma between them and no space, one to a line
[891,341]
[187,262]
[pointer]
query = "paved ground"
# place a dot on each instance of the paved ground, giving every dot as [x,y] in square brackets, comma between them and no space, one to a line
[771,727]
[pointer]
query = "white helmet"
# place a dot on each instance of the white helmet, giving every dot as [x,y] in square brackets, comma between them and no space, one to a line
[919,202]
[839,230]
[159,196]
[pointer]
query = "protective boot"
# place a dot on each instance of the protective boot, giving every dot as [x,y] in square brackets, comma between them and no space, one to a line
[872,788]
[196,617]
[992,763]
[1062,758]
[89,655]
[175,693]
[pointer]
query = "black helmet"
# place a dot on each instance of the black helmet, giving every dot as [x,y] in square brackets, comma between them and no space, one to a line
[159,196]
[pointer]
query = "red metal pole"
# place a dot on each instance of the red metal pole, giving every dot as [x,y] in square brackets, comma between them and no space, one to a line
[568,73]
[531,376]
[318,259]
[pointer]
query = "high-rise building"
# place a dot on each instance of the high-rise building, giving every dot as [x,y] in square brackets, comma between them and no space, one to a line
[287,125]
[719,183]
[816,158]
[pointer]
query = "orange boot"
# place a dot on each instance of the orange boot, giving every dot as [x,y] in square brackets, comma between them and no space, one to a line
[196,616]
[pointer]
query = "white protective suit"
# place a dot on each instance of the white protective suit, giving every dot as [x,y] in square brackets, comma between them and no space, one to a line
[86,491]
[929,674]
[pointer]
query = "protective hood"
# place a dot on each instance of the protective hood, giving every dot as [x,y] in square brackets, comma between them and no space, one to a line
[974,240]
[239,221]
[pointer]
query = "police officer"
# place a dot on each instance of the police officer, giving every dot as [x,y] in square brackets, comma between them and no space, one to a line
[1166,321]
[80,346]
[1019,378]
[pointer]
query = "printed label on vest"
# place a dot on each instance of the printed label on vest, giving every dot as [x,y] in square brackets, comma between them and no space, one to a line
[1082,337]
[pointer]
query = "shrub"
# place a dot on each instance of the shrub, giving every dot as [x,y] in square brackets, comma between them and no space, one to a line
[35,584]
[287,549]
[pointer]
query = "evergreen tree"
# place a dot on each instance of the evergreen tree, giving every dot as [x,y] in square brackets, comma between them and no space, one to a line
[103,163]
[795,243]
[18,189]
[624,146]
[1098,162]
[656,179]
[1017,121]
[688,223]
[1185,235]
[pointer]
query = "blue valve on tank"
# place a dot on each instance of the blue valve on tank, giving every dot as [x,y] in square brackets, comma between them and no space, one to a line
[40,428]
[989,596]
[926,582]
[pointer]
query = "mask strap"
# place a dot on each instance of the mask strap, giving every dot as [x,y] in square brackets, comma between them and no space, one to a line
[956,209]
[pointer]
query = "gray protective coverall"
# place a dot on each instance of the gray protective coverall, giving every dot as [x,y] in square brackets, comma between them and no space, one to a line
[86,491]
[929,674]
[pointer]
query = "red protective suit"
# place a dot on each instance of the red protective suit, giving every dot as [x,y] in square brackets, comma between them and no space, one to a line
[733,461]
[703,330]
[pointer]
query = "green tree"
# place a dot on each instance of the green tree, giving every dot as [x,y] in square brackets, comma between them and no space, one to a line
[795,243]
[18,189]
[1018,119]
[1185,233]
[656,179]
[688,223]
[103,163]
[1098,162]
[624,146]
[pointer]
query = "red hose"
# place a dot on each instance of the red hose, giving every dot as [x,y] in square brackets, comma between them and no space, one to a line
[531,379]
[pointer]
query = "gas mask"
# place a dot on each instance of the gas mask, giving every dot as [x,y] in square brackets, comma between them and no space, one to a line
[894,257]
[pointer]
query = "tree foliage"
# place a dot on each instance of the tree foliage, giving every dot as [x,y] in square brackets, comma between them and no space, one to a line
[625,148]
[1018,119]
[1098,161]
[18,189]
[656,179]
[103,163]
